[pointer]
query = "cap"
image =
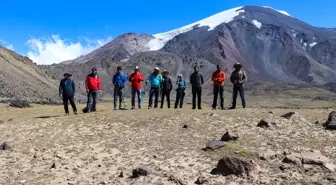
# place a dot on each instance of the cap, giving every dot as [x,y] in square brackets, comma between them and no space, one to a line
[219,66]
[136,67]
[156,68]
[94,69]
[165,71]
[237,65]
[67,74]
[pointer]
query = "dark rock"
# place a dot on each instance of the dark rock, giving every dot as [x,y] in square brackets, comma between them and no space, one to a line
[139,172]
[266,123]
[294,158]
[201,180]
[215,144]
[236,166]
[99,165]
[1,122]
[121,175]
[53,166]
[176,180]
[229,136]
[291,116]
[271,112]
[5,146]
[270,155]
[19,104]
[331,122]
[185,126]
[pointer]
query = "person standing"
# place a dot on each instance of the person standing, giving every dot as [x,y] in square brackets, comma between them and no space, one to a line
[155,80]
[237,78]
[166,88]
[119,82]
[196,80]
[218,77]
[67,92]
[180,91]
[136,78]
[92,85]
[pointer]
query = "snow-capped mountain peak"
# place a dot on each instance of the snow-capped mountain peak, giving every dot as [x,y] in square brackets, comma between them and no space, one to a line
[223,17]
[281,11]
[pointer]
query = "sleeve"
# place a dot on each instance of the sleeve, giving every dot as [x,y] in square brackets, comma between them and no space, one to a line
[87,83]
[213,77]
[191,77]
[170,84]
[149,78]
[98,83]
[244,76]
[61,87]
[231,78]
[114,80]
[202,80]
[73,87]
[185,84]
[130,78]
[124,80]
[142,78]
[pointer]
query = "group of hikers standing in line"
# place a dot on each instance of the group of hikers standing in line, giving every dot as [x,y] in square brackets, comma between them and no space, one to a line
[159,83]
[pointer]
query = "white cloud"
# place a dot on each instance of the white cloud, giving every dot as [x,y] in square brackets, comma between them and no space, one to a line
[7,45]
[56,49]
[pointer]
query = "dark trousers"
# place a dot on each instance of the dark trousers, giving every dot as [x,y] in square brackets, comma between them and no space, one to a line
[153,91]
[66,100]
[198,93]
[179,98]
[165,93]
[136,92]
[237,89]
[218,90]
[118,93]
[92,100]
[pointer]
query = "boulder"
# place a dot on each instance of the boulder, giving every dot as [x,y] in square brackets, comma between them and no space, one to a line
[236,166]
[292,116]
[5,146]
[294,158]
[230,136]
[215,144]
[266,123]
[19,104]
[310,158]
[331,122]
[139,172]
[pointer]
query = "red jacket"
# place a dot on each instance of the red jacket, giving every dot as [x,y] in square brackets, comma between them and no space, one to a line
[92,82]
[136,79]
[218,77]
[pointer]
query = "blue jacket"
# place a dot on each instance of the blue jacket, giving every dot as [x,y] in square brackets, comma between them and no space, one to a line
[180,84]
[119,79]
[155,81]
[67,87]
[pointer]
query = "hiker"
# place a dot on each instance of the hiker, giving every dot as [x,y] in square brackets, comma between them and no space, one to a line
[136,78]
[92,85]
[180,91]
[119,82]
[67,92]
[166,88]
[218,77]
[155,80]
[238,77]
[196,80]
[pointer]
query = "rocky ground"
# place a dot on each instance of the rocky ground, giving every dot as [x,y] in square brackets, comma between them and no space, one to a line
[166,146]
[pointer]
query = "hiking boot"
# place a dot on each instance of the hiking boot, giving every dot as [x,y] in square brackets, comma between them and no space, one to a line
[94,110]
[75,112]
[231,108]
[213,108]
[67,114]
[132,108]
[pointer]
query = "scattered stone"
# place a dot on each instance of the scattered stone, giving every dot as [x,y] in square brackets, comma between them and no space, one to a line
[270,155]
[317,122]
[53,166]
[331,122]
[266,123]
[121,175]
[185,126]
[103,183]
[291,116]
[22,182]
[213,114]
[236,166]
[99,165]
[201,180]
[139,172]
[329,166]
[271,112]
[176,180]
[294,158]
[1,122]
[282,167]
[313,158]
[229,136]
[10,120]
[5,146]
[215,144]
[19,104]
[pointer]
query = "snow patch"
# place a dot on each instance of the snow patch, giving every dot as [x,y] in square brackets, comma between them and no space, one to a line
[280,11]
[257,24]
[305,44]
[312,44]
[223,17]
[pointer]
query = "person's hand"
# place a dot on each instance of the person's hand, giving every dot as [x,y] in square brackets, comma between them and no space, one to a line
[87,90]
[60,94]
[132,78]
[99,91]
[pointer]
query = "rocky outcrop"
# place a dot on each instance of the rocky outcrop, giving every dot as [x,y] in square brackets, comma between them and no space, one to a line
[236,166]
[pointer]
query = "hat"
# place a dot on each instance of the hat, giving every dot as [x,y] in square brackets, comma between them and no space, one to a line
[156,68]
[165,72]
[67,74]
[119,68]
[237,65]
[219,66]
[136,67]
[94,69]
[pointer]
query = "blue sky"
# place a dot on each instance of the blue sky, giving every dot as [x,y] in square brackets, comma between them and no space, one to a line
[81,26]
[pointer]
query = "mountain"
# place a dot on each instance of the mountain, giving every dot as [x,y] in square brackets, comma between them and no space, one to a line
[272,46]
[21,79]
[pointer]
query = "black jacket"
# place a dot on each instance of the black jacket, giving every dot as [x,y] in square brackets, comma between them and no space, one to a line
[238,78]
[166,84]
[67,87]
[196,80]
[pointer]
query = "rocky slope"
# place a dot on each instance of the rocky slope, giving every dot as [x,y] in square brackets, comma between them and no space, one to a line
[21,79]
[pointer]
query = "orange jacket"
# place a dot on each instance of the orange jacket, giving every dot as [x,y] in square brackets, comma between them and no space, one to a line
[218,77]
